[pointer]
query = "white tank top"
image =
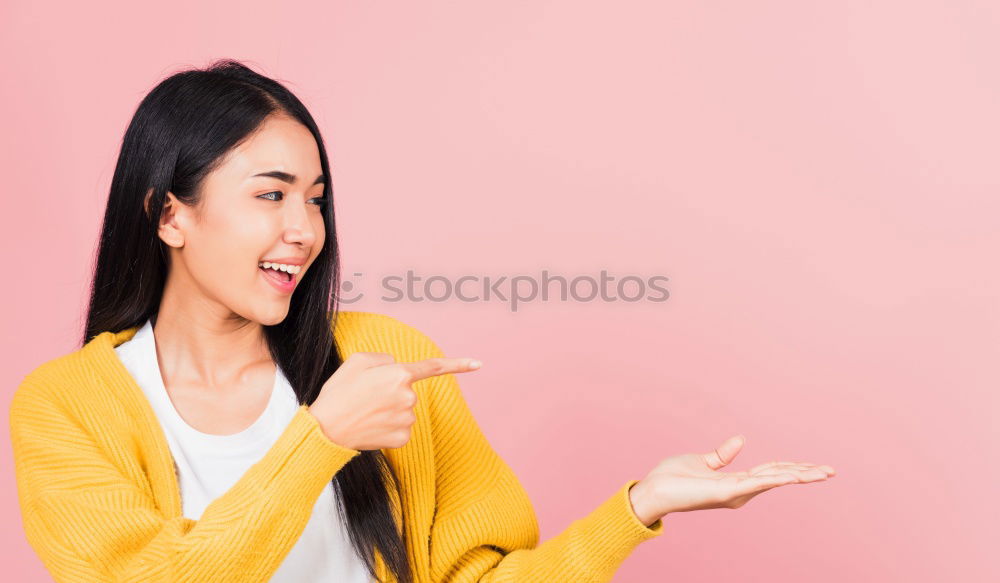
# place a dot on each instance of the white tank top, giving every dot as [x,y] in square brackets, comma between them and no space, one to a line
[208,465]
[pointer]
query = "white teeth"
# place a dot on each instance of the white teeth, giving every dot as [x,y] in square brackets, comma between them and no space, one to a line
[293,269]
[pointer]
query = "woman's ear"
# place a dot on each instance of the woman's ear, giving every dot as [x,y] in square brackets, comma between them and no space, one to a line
[169,229]
[145,203]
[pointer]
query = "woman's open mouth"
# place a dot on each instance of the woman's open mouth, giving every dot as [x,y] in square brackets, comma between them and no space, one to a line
[283,281]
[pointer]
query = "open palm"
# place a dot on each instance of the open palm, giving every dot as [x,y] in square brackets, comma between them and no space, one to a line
[693,481]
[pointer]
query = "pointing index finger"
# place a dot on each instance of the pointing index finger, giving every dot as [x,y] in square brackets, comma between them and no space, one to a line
[438,366]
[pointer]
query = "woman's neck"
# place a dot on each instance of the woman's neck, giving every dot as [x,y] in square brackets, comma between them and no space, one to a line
[215,354]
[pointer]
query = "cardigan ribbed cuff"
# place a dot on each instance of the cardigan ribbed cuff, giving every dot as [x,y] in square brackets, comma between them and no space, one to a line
[614,531]
[302,461]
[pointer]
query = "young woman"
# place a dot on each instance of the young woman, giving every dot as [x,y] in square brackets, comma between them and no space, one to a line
[223,421]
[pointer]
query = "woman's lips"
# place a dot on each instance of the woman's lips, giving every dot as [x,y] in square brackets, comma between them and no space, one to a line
[278,281]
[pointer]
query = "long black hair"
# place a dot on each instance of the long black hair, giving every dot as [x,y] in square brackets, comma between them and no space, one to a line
[180,132]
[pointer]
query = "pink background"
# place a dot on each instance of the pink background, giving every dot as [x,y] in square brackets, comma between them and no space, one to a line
[817,179]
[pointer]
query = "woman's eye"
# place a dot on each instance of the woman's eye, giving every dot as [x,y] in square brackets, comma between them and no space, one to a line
[318,201]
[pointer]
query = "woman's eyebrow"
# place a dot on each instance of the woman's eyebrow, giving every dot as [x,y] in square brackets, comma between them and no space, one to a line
[286,177]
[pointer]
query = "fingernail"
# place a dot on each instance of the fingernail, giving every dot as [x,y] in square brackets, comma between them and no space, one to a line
[475,364]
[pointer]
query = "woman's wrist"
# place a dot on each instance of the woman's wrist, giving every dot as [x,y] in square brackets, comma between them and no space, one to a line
[639,496]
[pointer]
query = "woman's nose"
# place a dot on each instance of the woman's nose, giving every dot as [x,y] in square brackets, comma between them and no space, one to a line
[299,228]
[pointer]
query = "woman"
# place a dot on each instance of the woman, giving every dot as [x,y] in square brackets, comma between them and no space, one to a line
[223,421]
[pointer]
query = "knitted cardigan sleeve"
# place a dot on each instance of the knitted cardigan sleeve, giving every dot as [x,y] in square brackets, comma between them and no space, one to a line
[485,529]
[89,522]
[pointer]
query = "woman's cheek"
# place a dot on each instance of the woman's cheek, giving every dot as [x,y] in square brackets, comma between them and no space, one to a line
[319,227]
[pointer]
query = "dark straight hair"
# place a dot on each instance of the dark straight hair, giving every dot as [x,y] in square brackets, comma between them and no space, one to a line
[180,132]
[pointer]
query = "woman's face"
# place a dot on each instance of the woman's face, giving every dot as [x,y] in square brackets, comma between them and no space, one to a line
[244,219]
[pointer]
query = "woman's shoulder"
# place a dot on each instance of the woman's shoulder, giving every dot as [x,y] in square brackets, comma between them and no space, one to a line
[88,379]
[67,386]
[357,331]
[43,381]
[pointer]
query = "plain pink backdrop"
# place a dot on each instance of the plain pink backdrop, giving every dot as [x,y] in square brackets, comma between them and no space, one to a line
[818,181]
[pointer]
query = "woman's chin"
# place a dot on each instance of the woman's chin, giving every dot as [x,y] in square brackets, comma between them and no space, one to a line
[273,315]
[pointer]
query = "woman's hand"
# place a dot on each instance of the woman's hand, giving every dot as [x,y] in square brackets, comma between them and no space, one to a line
[368,402]
[692,482]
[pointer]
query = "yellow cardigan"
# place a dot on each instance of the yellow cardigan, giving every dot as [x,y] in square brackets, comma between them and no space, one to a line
[100,499]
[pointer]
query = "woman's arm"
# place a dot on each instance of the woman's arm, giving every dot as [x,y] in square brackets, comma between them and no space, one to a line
[485,529]
[90,523]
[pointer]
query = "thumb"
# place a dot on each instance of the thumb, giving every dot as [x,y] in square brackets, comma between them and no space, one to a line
[725,453]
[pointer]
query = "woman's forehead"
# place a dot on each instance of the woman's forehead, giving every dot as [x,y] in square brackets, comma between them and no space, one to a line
[280,144]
